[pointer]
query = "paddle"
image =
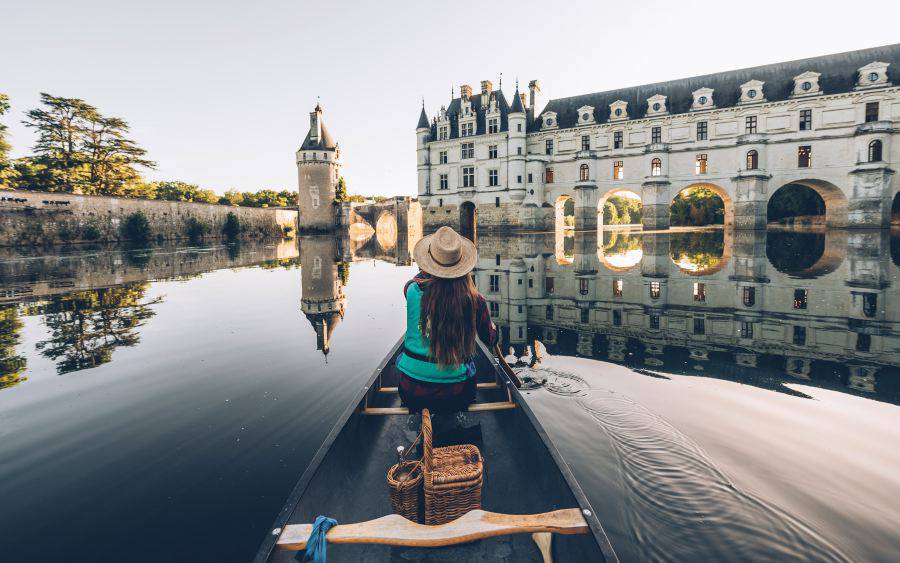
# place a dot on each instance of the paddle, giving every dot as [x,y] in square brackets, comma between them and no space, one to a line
[506,369]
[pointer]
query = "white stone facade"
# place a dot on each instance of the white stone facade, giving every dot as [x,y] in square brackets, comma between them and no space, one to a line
[589,147]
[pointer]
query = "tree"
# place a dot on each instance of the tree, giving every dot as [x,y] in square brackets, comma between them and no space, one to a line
[610,213]
[136,228]
[112,156]
[232,197]
[11,364]
[340,191]
[7,172]
[182,191]
[697,207]
[232,227]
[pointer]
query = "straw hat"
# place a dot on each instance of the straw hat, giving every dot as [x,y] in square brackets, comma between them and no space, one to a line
[445,254]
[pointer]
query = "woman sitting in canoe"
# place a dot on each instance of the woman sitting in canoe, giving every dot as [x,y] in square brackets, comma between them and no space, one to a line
[444,312]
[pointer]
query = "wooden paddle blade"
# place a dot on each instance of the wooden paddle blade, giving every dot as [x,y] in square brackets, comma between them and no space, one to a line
[474,525]
[544,541]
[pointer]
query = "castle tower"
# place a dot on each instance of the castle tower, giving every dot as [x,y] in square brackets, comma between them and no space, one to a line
[318,170]
[423,161]
[322,279]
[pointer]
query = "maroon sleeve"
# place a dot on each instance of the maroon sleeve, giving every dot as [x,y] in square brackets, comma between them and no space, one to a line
[487,332]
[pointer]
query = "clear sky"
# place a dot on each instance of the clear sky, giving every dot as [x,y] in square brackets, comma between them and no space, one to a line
[219,91]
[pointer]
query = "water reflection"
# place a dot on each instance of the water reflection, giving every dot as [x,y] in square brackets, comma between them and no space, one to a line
[757,307]
[12,365]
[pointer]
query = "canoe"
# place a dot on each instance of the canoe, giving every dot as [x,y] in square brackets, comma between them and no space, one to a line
[529,496]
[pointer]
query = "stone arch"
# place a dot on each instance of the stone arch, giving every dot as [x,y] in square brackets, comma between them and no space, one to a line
[620,251]
[832,197]
[895,209]
[564,234]
[728,203]
[613,192]
[468,220]
[564,207]
[386,230]
[806,254]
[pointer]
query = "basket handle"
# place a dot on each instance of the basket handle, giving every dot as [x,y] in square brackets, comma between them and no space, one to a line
[427,453]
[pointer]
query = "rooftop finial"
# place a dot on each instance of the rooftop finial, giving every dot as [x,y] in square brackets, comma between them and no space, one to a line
[501,81]
[318,104]
[517,84]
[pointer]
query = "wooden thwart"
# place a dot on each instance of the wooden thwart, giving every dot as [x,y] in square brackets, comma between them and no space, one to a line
[475,407]
[475,525]
[395,390]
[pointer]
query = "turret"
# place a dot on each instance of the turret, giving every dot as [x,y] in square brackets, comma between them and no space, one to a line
[423,160]
[318,170]
[517,148]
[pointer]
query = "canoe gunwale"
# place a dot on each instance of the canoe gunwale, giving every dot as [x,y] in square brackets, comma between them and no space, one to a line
[353,409]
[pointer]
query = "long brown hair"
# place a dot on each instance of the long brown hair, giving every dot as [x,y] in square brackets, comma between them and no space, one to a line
[447,318]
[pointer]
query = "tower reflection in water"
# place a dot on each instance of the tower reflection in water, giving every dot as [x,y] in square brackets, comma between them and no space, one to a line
[760,307]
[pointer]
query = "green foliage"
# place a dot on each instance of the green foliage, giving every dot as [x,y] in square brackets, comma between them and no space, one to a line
[340,191]
[620,210]
[81,150]
[182,191]
[196,229]
[232,227]
[698,250]
[7,172]
[343,271]
[286,230]
[90,232]
[697,207]
[232,197]
[136,228]
[11,364]
[795,200]
[356,198]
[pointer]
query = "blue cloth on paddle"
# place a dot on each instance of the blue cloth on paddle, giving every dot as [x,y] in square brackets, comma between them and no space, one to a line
[316,544]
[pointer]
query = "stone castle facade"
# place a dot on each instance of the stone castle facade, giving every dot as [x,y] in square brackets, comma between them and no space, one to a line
[318,170]
[828,123]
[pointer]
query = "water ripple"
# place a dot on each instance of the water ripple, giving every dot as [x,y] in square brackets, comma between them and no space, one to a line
[679,506]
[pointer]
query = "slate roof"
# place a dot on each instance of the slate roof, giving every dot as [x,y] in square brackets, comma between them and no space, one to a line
[517,104]
[480,120]
[326,141]
[423,120]
[839,74]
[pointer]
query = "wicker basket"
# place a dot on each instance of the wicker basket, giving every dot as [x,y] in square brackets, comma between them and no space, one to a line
[453,478]
[405,484]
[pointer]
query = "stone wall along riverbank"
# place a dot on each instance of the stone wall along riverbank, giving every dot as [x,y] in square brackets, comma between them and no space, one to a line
[40,218]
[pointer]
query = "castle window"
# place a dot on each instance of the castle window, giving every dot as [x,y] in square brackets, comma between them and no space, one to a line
[530,178]
[752,160]
[548,284]
[314,156]
[519,179]
[799,335]
[444,182]
[496,202]
[583,172]
[618,170]
[440,202]
[585,142]
[699,325]
[750,124]
[804,156]
[304,156]
[585,316]
[700,165]
[618,287]
[700,292]
[746,329]
[749,298]
[656,135]
[519,127]
[656,167]
[863,342]
[495,309]
[468,176]
[497,256]
[442,134]
[875,151]
[548,312]
[801,298]
[549,176]
[494,280]
[442,157]
[870,304]
[654,322]
[467,150]
[467,129]
[655,289]
[702,130]
[519,150]
[548,146]
[530,283]
[617,140]
[583,286]
[806,120]
[492,151]
[493,125]
[617,317]
[871,112]
[521,335]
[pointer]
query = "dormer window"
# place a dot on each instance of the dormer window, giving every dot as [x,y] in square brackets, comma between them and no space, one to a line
[873,75]
[466,129]
[618,110]
[549,120]
[493,125]
[656,105]
[752,92]
[703,99]
[806,84]
[585,115]
[442,133]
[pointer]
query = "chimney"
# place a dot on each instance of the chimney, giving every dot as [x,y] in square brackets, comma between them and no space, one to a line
[486,88]
[534,88]
[465,91]
[315,124]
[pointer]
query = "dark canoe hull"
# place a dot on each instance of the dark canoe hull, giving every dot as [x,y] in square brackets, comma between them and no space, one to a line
[524,474]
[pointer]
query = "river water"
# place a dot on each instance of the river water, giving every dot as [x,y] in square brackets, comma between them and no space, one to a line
[720,396]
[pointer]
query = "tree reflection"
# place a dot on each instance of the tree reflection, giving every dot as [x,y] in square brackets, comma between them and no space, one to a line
[11,364]
[87,326]
[699,251]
